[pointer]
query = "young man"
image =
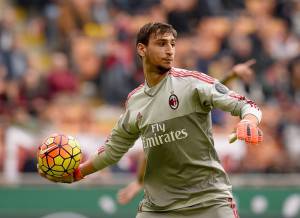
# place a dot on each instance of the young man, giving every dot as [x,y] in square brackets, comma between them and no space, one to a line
[171,113]
[126,194]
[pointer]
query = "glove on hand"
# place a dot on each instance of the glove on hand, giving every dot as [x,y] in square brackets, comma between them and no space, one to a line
[249,132]
[75,176]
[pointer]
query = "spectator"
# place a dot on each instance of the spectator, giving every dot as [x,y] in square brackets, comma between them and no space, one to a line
[60,78]
[98,61]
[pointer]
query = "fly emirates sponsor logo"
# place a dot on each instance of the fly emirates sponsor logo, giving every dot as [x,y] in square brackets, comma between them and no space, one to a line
[160,136]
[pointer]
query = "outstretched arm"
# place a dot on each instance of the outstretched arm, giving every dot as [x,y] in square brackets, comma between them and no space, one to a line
[243,71]
[247,130]
[122,137]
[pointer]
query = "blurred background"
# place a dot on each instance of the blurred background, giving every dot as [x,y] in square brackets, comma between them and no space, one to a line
[67,66]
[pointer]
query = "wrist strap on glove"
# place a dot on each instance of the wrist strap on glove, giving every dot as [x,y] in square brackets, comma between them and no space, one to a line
[77,175]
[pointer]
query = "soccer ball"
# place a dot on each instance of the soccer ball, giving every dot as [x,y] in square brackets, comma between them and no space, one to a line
[59,155]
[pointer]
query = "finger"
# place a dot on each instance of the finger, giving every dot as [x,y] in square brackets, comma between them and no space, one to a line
[250,62]
[122,197]
[254,136]
[260,135]
[244,132]
[250,137]
[248,73]
[241,131]
[123,200]
[232,137]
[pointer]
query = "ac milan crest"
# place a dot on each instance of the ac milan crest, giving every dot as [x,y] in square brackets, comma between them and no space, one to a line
[173,101]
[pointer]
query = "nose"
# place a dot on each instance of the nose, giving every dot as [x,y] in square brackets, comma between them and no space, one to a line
[170,50]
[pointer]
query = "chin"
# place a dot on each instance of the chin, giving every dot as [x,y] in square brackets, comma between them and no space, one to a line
[164,69]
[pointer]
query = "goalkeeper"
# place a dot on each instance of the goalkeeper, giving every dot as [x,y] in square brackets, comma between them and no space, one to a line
[126,194]
[171,113]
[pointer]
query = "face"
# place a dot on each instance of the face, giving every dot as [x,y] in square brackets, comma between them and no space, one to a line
[159,53]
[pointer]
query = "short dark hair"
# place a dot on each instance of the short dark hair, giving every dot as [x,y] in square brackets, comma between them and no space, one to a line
[156,28]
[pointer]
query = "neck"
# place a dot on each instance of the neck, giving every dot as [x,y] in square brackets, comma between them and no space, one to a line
[153,75]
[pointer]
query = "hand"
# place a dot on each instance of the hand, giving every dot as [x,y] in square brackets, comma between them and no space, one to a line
[249,132]
[76,176]
[244,70]
[126,194]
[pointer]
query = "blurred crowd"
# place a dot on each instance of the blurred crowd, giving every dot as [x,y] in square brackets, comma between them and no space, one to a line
[68,65]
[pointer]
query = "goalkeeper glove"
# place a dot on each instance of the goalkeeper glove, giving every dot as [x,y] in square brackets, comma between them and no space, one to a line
[75,176]
[249,132]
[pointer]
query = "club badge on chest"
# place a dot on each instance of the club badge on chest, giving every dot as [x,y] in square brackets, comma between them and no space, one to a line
[173,101]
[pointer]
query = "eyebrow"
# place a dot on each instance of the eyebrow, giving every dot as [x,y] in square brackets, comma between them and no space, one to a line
[164,40]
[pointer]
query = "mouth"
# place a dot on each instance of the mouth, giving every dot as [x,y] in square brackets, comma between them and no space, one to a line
[167,60]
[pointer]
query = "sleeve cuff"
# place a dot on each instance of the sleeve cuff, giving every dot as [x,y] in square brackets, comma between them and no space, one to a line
[252,110]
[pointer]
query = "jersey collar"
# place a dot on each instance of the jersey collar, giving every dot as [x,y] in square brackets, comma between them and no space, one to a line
[152,91]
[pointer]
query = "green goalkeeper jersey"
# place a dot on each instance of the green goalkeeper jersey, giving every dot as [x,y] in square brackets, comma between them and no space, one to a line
[173,119]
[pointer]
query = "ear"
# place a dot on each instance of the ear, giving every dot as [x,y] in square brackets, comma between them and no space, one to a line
[141,49]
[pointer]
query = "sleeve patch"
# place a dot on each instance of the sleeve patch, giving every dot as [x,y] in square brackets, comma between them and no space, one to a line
[221,88]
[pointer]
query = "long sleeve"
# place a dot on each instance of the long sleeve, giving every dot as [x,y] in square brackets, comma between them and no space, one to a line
[217,95]
[122,137]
